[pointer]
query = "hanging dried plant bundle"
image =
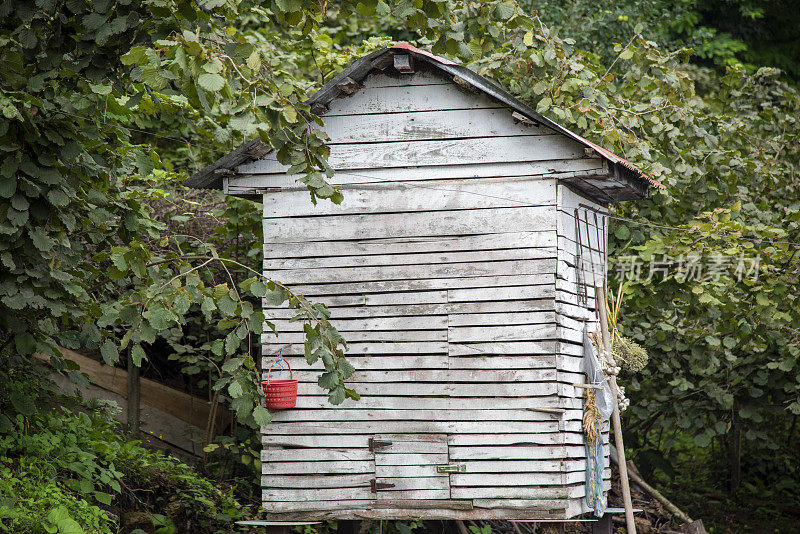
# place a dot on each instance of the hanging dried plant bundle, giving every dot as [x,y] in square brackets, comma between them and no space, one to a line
[629,354]
[591,414]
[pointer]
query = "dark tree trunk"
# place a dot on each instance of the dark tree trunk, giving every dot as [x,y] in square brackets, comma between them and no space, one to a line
[735,455]
[134,394]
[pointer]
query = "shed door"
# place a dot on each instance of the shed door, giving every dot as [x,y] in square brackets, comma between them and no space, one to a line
[405,467]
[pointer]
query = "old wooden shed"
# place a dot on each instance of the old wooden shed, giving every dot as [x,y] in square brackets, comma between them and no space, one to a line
[460,267]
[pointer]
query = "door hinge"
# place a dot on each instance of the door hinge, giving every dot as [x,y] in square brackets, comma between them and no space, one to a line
[452,468]
[377,444]
[376,486]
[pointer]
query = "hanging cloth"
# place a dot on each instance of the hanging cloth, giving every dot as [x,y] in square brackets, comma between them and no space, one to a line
[598,405]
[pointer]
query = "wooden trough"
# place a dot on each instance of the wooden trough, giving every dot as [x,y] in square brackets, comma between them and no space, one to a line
[460,268]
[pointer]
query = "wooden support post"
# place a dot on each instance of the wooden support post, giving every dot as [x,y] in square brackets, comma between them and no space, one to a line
[348,527]
[603,525]
[600,301]
[133,396]
[553,528]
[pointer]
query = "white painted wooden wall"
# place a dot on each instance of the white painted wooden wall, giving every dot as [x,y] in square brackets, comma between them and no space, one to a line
[450,268]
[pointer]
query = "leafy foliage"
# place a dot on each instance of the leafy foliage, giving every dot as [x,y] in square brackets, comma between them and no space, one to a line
[73,473]
[104,103]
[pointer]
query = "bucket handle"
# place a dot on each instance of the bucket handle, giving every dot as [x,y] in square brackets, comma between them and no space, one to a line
[280,361]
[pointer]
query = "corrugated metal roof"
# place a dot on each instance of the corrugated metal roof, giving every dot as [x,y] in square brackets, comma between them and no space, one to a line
[211,176]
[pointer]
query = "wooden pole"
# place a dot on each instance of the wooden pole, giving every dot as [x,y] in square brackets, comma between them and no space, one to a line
[133,396]
[600,302]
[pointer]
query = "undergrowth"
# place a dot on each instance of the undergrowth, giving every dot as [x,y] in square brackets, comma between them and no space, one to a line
[73,472]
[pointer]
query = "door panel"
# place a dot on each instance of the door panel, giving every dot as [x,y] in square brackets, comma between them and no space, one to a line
[405,467]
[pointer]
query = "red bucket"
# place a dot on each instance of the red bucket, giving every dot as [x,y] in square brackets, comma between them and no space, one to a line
[280,394]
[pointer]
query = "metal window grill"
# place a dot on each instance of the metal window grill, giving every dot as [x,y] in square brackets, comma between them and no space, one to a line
[591,232]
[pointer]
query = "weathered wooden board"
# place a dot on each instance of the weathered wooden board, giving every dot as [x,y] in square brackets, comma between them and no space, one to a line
[280,467]
[271,347]
[499,319]
[545,423]
[400,197]
[534,332]
[471,376]
[431,309]
[338,494]
[528,286]
[361,335]
[443,416]
[518,492]
[416,459]
[456,440]
[531,389]
[424,125]
[435,152]
[414,272]
[412,483]
[280,454]
[377,79]
[271,176]
[512,291]
[503,452]
[400,225]
[412,245]
[490,348]
[277,266]
[317,481]
[408,98]
[475,480]
[436,361]
[445,403]
[419,322]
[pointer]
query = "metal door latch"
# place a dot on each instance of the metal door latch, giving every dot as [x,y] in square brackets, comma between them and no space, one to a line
[376,486]
[377,444]
[452,468]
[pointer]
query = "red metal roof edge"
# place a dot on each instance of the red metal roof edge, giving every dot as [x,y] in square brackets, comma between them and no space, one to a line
[414,49]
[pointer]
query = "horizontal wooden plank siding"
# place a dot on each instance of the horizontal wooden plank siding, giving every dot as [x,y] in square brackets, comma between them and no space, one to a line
[453,270]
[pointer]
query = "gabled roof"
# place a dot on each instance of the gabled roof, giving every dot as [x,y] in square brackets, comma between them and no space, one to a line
[349,80]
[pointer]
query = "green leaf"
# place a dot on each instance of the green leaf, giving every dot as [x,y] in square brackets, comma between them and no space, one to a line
[544,104]
[8,186]
[25,343]
[235,389]
[40,239]
[258,289]
[505,10]
[109,352]
[337,395]
[328,380]
[261,416]
[103,497]
[133,56]
[211,82]
[702,440]
[144,163]
[118,259]
[137,355]
[232,364]
[277,296]
[100,89]
[226,305]
[231,343]
[528,39]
